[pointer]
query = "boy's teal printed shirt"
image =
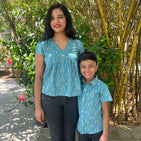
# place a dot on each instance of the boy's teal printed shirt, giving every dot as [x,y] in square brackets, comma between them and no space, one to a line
[61,77]
[90,106]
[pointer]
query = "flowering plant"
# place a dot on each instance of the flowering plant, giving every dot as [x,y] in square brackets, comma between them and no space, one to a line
[4,54]
[9,61]
[21,97]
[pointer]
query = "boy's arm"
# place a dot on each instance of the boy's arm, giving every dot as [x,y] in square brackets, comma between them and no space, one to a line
[105,114]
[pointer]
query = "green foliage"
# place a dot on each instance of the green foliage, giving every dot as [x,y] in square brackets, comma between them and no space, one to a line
[108,58]
[29,18]
[83,30]
[23,61]
[4,54]
[108,61]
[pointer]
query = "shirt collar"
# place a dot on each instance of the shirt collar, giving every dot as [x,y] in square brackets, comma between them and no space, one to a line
[92,83]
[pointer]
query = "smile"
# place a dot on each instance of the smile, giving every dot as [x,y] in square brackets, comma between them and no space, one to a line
[87,74]
[57,26]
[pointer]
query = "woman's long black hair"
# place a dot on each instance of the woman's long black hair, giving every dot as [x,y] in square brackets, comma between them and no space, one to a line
[48,32]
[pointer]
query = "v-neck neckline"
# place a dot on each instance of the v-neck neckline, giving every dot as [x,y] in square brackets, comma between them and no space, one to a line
[59,47]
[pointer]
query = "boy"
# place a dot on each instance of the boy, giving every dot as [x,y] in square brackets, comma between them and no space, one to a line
[93,103]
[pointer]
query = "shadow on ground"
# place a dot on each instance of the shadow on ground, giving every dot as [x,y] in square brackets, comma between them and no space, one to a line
[115,134]
[17,122]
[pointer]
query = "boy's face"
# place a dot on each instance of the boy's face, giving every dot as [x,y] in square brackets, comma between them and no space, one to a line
[88,69]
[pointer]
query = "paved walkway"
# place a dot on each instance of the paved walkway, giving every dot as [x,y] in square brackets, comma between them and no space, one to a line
[115,134]
[17,122]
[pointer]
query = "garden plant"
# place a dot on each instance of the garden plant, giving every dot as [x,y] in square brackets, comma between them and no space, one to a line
[111,29]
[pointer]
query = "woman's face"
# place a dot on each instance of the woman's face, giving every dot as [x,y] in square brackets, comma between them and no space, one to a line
[58,21]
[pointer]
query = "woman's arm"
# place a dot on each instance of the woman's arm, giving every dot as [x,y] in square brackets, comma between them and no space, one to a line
[105,114]
[39,114]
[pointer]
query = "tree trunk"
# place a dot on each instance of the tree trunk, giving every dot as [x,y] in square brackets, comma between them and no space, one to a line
[139,103]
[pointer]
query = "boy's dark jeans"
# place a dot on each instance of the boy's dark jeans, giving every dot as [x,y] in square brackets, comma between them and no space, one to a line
[90,137]
[61,114]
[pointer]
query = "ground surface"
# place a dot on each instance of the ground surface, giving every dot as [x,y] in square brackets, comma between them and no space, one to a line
[17,122]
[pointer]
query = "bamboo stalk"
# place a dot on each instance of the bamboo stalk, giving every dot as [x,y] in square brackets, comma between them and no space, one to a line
[124,35]
[120,26]
[133,85]
[123,38]
[116,84]
[128,66]
[99,29]
[109,16]
[121,66]
[104,22]
[126,112]
[137,85]
[126,25]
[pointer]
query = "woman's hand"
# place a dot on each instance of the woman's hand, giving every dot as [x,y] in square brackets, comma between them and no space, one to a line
[103,138]
[39,114]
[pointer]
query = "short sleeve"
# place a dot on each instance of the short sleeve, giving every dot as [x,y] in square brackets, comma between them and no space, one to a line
[80,46]
[105,94]
[39,48]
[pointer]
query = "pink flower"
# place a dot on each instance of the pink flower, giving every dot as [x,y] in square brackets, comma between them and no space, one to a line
[21,97]
[22,70]
[9,61]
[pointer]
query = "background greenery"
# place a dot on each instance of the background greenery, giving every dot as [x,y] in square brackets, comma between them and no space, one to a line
[108,28]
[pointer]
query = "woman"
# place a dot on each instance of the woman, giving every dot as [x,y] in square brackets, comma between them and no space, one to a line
[57,83]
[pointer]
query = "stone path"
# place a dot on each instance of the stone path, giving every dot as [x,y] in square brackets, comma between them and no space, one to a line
[17,122]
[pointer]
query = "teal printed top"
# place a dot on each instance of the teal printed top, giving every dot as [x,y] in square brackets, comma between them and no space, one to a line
[90,106]
[61,77]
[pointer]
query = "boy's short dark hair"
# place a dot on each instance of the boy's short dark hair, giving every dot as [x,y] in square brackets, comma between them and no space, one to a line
[87,56]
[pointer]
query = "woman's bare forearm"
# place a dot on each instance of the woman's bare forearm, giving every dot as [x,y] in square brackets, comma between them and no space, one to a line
[37,91]
[38,79]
